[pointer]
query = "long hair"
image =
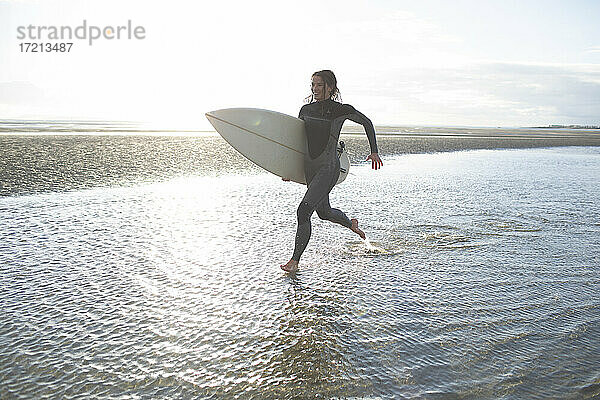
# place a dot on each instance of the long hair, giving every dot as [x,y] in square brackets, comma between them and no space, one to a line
[329,78]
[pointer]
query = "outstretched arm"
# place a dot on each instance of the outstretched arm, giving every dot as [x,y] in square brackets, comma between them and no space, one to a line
[360,118]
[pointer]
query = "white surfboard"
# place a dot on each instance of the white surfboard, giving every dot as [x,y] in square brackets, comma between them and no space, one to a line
[271,140]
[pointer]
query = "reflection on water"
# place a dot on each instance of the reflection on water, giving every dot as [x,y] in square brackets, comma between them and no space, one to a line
[480,280]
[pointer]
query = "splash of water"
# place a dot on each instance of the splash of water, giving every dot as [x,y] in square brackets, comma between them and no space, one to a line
[372,248]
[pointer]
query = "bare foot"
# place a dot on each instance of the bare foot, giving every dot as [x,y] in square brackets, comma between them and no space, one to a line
[356,230]
[291,266]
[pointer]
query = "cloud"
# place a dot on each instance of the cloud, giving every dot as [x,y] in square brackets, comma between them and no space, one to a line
[593,49]
[23,93]
[486,94]
[571,91]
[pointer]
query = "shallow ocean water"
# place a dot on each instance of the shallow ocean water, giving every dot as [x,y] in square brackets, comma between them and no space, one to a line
[481,280]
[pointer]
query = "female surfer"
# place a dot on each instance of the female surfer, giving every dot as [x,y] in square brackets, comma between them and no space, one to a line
[323,118]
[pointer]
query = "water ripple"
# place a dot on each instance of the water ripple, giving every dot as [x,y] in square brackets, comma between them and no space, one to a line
[172,290]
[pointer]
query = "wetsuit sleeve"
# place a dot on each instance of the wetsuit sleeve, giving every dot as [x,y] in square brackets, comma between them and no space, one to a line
[358,117]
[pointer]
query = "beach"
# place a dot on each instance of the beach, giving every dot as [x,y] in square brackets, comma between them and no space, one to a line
[143,255]
[146,265]
[75,156]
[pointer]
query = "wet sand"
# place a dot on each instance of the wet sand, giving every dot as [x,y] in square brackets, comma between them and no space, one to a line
[50,162]
[411,140]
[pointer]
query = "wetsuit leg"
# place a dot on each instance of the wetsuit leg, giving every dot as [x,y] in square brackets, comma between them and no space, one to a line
[324,209]
[325,212]
[318,189]
[317,198]
[304,229]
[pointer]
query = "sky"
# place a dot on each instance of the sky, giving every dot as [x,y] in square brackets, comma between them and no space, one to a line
[450,63]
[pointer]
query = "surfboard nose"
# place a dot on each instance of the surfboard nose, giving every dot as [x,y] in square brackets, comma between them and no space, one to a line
[221,115]
[213,119]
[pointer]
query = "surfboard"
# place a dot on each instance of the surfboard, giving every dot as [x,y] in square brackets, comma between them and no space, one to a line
[272,140]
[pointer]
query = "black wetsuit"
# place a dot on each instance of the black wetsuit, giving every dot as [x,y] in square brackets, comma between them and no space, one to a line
[323,122]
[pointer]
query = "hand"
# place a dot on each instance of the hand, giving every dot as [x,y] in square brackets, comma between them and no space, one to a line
[376,162]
